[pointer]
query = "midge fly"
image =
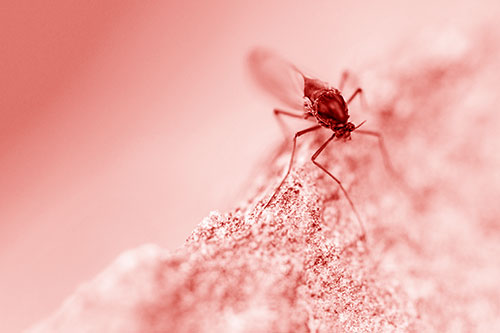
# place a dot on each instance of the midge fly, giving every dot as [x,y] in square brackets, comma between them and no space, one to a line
[317,101]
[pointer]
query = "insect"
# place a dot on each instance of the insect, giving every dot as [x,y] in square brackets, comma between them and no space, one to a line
[316,101]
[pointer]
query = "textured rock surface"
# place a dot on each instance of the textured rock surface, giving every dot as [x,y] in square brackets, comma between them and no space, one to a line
[431,262]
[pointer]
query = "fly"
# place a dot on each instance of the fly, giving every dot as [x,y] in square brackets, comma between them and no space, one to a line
[316,101]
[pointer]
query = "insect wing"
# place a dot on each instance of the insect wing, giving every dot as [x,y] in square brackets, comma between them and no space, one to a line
[278,77]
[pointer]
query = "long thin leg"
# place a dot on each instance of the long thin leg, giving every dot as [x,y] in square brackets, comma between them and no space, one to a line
[383,149]
[358,91]
[403,185]
[387,161]
[300,133]
[278,113]
[343,79]
[313,158]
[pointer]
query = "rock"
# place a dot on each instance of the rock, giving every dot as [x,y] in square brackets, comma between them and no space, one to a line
[431,259]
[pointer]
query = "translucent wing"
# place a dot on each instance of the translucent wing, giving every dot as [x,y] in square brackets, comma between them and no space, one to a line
[278,77]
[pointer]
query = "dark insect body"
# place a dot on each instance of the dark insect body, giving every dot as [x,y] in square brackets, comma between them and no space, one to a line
[318,102]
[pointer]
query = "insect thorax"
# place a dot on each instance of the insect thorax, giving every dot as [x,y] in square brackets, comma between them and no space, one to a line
[328,107]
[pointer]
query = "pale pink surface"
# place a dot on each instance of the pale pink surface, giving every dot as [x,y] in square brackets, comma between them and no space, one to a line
[430,263]
[111,116]
[431,260]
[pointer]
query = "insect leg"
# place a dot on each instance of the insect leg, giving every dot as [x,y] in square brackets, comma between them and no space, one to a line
[313,158]
[278,113]
[358,91]
[343,79]
[383,150]
[307,130]
[387,161]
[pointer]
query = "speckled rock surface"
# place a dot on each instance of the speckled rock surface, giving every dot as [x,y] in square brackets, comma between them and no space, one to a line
[431,260]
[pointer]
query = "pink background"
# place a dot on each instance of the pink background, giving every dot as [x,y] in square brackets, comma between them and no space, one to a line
[123,123]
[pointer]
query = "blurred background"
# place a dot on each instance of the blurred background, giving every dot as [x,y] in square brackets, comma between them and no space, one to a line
[127,122]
